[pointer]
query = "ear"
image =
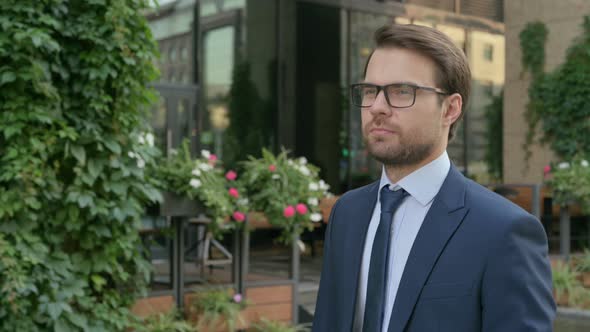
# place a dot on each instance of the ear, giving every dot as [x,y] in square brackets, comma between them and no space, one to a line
[453,107]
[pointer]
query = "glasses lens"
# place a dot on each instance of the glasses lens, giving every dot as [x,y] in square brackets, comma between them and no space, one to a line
[400,95]
[363,95]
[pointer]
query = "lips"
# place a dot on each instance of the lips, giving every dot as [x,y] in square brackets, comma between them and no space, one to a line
[381,131]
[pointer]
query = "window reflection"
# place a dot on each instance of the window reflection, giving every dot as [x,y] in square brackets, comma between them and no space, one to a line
[218,65]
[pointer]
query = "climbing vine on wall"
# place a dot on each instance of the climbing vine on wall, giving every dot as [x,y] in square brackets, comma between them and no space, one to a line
[558,100]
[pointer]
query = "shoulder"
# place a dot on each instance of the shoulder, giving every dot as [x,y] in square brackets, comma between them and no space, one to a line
[481,198]
[351,197]
[497,213]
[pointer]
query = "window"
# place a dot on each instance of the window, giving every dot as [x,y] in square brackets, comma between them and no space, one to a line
[172,54]
[488,52]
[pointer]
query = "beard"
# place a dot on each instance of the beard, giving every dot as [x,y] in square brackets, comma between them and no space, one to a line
[410,151]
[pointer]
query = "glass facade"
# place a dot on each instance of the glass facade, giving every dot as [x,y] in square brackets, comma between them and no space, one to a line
[276,74]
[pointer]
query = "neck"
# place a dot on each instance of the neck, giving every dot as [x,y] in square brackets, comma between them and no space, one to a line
[397,172]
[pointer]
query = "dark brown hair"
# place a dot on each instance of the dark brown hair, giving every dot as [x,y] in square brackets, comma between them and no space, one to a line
[452,68]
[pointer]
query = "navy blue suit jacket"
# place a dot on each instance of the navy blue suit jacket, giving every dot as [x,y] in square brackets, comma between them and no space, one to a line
[479,263]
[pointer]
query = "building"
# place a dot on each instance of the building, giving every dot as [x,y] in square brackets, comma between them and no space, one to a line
[276,73]
[563,20]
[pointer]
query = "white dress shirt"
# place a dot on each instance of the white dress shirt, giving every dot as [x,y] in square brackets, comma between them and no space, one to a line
[422,185]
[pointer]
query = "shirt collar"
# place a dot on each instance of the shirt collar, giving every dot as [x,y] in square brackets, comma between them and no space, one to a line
[424,183]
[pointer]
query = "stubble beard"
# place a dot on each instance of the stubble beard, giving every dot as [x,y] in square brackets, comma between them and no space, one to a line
[407,153]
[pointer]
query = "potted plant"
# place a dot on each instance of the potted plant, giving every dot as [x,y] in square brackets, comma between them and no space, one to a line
[287,191]
[566,285]
[217,310]
[583,267]
[570,182]
[200,185]
[165,322]
[265,325]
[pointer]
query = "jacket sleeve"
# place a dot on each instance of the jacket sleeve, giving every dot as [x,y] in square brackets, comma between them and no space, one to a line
[322,320]
[517,283]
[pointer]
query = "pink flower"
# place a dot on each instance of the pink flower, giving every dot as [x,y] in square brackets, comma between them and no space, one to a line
[546,169]
[239,216]
[272,168]
[301,208]
[231,175]
[238,298]
[212,159]
[289,211]
[233,192]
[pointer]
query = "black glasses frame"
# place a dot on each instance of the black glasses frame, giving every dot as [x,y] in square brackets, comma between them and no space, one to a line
[384,88]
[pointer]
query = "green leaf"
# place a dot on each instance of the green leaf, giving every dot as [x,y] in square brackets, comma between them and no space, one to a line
[78,320]
[112,145]
[54,310]
[98,281]
[79,153]
[84,200]
[7,77]
[94,167]
[63,326]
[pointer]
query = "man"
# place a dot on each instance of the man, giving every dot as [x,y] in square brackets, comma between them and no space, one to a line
[424,248]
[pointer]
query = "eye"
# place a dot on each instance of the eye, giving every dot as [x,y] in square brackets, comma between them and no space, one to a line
[401,90]
[368,91]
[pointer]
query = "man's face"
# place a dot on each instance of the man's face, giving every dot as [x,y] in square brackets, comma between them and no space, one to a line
[403,136]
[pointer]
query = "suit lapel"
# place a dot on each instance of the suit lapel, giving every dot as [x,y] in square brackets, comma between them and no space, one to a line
[441,222]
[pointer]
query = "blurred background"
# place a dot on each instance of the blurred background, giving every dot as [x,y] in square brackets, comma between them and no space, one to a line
[238,75]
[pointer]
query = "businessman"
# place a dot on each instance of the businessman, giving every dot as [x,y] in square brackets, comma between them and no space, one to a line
[424,248]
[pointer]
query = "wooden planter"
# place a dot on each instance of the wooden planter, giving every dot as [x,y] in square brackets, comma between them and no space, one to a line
[562,300]
[175,205]
[586,279]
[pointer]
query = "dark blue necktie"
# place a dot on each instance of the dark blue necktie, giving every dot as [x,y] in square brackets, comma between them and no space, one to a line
[375,303]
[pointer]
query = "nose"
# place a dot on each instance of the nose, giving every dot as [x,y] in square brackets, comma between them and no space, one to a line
[380,105]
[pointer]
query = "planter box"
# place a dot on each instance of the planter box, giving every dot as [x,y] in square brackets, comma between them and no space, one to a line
[176,206]
[562,300]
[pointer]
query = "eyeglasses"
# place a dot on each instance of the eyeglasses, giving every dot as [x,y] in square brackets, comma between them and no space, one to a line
[398,95]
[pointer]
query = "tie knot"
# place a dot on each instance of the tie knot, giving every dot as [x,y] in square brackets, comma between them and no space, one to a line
[390,199]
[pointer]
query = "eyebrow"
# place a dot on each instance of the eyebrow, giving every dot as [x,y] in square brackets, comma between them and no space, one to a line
[399,82]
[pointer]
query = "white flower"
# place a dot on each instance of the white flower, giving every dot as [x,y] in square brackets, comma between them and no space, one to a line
[301,245]
[276,177]
[196,172]
[563,165]
[243,201]
[195,183]
[290,162]
[205,167]
[149,137]
[206,154]
[131,154]
[315,217]
[140,162]
[173,152]
[141,139]
[324,185]
[304,170]
[302,160]
[584,163]
[313,201]
[313,186]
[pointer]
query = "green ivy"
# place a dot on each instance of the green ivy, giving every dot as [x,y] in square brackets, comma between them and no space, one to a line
[532,43]
[73,76]
[493,115]
[559,100]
